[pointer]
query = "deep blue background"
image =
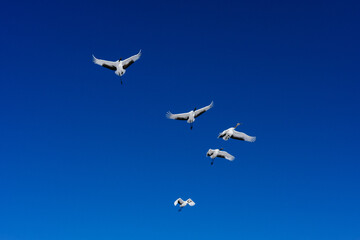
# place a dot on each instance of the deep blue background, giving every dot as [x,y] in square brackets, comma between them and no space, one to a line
[83,157]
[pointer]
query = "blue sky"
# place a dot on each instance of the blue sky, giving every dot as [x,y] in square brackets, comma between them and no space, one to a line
[84,157]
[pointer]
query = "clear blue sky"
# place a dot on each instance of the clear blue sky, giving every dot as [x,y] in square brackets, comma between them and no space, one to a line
[84,157]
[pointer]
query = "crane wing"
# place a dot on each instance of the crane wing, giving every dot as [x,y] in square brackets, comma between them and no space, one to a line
[108,64]
[127,62]
[178,201]
[226,155]
[209,152]
[190,202]
[242,136]
[180,116]
[222,134]
[204,109]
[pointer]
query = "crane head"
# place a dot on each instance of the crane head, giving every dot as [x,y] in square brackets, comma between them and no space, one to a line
[237,125]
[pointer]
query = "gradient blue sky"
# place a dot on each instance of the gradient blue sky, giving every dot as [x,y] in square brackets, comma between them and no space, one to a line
[83,157]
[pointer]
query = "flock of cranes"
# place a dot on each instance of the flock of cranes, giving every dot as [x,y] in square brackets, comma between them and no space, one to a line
[120,67]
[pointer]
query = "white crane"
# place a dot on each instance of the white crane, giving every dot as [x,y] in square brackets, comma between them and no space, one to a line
[189,116]
[183,203]
[119,66]
[213,153]
[232,133]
